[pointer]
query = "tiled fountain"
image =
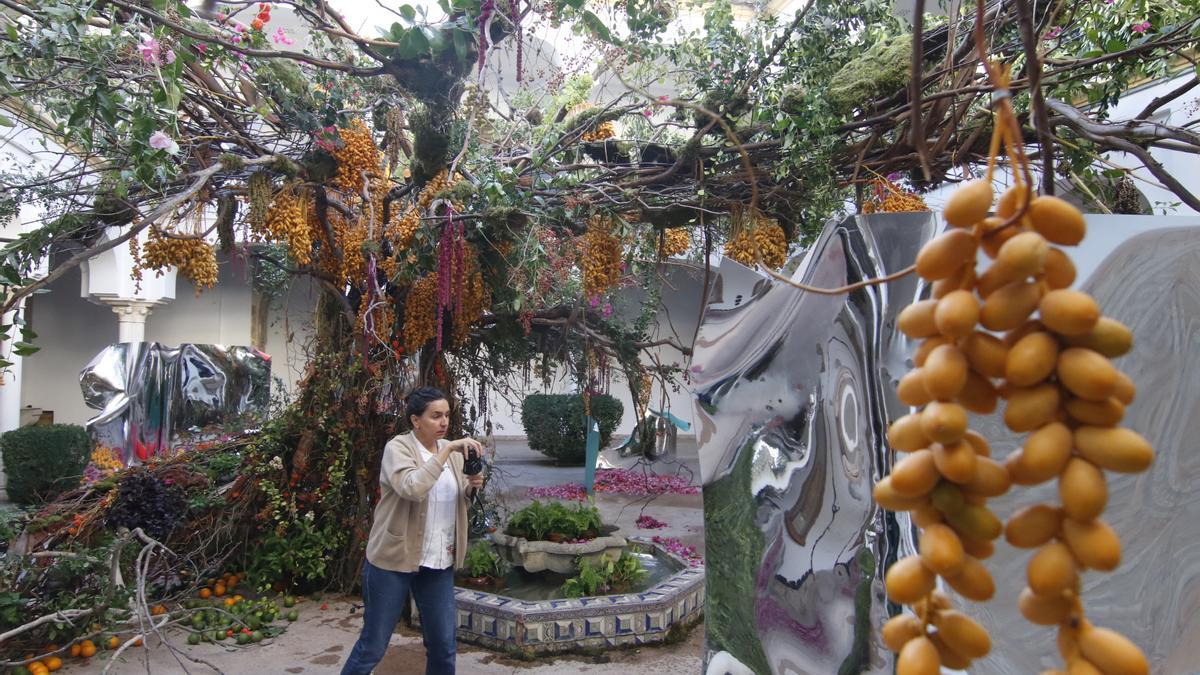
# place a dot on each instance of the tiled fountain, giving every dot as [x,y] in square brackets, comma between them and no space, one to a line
[497,621]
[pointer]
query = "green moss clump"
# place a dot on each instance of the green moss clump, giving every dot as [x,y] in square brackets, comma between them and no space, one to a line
[880,71]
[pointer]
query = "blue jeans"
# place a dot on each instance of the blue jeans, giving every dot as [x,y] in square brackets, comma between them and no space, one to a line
[384,595]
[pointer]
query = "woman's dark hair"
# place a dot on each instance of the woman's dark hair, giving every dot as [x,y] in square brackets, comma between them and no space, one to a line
[420,399]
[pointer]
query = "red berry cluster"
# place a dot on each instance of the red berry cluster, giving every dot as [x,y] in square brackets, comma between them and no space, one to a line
[264,16]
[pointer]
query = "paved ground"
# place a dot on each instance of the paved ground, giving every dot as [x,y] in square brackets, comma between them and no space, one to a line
[319,641]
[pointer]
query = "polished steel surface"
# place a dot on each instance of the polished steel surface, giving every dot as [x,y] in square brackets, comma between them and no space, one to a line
[794,392]
[152,398]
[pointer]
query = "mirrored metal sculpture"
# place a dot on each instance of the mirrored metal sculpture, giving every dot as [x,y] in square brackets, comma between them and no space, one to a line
[794,392]
[152,397]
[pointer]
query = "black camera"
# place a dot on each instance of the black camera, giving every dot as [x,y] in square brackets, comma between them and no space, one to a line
[473,464]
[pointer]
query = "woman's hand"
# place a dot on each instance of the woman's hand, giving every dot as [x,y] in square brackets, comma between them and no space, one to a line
[462,444]
[475,482]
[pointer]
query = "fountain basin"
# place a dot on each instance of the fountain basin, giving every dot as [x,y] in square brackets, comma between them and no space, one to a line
[550,626]
[539,556]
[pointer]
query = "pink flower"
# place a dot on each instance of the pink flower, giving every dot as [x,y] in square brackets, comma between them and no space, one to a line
[161,141]
[236,39]
[245,67]
[1053,33]
[202,48]
[1141,27]
[647,112]
[608,310]
[281,37]
[152,51]
[169,57]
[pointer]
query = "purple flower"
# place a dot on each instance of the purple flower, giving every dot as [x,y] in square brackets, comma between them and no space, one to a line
[161,141]
[607,311]
[1141,27]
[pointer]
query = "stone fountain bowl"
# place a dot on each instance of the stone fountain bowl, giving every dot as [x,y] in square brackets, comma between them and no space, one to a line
[538,556]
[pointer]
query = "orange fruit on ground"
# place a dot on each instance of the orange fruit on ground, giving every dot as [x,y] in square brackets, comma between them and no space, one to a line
[205,593]
[53,663]
[75,649]
[87,651]
[230,602]
[114,642]
[219,590]
[38,668]
[137,642]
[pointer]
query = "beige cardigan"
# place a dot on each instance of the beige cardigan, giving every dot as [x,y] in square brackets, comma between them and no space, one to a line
[398,528]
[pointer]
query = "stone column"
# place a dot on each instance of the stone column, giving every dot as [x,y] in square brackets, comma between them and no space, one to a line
[131,318]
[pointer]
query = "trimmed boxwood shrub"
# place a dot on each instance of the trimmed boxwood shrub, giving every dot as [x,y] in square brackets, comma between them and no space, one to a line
[42,461]
[554,423]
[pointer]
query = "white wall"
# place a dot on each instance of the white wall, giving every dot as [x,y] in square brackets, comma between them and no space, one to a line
[219,315]
[290,330]
[70,332]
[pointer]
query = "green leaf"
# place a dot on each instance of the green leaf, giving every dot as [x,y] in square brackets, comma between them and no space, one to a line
[6,121]
[594,24]
[408,12]
[460,43]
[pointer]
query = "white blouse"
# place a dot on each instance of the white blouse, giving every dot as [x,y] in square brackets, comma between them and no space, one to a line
[437,547]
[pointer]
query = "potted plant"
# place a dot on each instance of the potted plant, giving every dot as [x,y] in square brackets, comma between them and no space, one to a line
[552,536]
[482,567]
[609,576]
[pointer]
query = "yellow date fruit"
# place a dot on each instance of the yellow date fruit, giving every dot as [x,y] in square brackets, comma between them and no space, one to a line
[1109,337]
[941,550]
[973,581]
[1046,452]
[1023,256]
[1112,652]
[963,634]
[1093,543]
[945,372]
[887,497]
[946,254]
[900,629]
[1044,610]
[990,480]
[916,320]
[1057,220]
[1031,360]
[986,354]
[1031,408]
[1010,305]
[1033,526]
[905,434]
[1060,270]
[1066,312]
[908,580]
[1115,449]
[957,313]
[911,388]
[1052,569]
[1087,374]
[928,345]
[956,461]
[1106,413]
[978,395]
[969,204]
[915,475]
[1082,489]
[918,657]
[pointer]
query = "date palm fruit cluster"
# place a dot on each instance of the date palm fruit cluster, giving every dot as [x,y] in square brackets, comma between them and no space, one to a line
[287,221]
[675,241]
[192,256]
[601,257]
[420,307]
[887,197]
[757,239]
[1014,331]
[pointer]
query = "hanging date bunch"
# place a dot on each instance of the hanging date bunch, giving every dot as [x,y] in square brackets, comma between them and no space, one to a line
[755,238]
[287,221]
[675,241]
[600,257]
[888,197]
[1014,330]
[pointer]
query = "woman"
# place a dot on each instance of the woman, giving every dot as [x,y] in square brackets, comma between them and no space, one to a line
[418,536]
